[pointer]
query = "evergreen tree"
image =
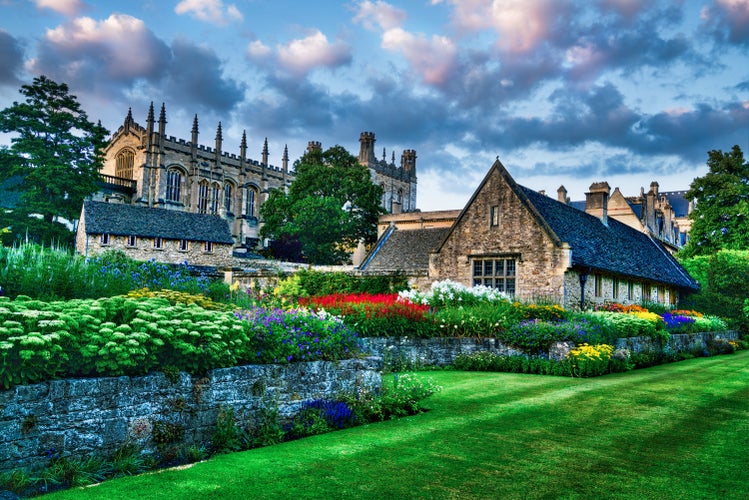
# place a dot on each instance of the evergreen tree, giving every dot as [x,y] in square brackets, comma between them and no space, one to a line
[331,206]
[720,219]
[56,152]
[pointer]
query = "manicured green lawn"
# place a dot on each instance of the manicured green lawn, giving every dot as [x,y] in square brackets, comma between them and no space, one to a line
[673,431]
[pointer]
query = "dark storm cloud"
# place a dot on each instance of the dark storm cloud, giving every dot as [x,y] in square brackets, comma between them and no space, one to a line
[11,59]
[194,80]
[114,57]
[692,133]
[596,115]
[728,21]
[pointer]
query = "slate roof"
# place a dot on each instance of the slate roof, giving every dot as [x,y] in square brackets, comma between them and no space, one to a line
[125,220]
[403,250]
[679,203]
[614,248]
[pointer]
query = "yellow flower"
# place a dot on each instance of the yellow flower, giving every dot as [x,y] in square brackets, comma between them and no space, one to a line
[234,286]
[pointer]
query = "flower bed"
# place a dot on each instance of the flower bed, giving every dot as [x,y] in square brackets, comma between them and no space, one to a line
[133,336]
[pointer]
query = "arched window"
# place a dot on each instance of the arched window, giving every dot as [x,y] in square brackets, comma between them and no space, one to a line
[203,197]
[215,197]
[125,161]
[174,185]
[251,202]
[228,196]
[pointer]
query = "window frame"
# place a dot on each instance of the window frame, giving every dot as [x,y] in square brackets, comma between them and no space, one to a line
[184,245]
[105,239]
[158,243]
[485,270]
[131,241]
[208,247]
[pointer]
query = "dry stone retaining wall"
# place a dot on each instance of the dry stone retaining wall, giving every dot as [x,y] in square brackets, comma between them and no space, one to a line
[415,352]
[80,417]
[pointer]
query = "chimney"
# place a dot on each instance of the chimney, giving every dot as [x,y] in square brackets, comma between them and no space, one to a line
[562,195]
[597,201]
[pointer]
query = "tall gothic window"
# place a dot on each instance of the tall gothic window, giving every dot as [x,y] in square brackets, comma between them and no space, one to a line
[174,185]
[228,195]
[203,197]
[125,161]
[251,202]
[215,197]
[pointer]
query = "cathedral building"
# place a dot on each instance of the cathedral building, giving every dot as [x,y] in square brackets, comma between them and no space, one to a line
[144,167]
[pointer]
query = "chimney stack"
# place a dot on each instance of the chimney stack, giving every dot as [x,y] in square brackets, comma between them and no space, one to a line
[597,201]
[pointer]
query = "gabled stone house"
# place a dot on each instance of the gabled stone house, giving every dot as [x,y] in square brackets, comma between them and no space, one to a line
[530,245]
[145,233]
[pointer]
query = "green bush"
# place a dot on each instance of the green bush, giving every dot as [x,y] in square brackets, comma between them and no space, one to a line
[492,362]
[316,283]
[724,278]
[124,336]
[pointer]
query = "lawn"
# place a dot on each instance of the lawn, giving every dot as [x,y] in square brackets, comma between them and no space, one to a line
[673,431]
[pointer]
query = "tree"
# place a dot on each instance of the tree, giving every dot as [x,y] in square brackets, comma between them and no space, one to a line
[57,152]
[331,206]
[720,219]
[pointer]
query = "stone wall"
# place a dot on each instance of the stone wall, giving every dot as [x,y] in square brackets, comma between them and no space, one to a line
[80,417]
[406,352]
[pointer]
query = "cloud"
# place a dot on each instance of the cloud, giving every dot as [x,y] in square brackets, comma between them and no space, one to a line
[194,80]
[210,11]
[434,59]
[67,7]
[733,14]
[379,13]
[301,56]
[120,57]
[11,59]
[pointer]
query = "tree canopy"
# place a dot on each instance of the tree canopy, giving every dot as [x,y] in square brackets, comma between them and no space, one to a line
[720,219]
[55,153]
[331,206]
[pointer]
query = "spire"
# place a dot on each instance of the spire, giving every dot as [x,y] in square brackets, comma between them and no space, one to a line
[265,158]
[129,120]
[243,146]
[219,143]
[149,121]
[162,120]
[195,131]
[384,154]
[219,137]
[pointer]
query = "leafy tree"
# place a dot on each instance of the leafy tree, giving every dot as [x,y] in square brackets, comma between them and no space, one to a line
[57,151]
[331,206]
[720,219]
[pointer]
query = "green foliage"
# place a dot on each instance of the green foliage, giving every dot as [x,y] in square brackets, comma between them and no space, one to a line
[51,273]
[720,219]
[724,278]
[56,151]
[331,206]
[402,395]
[493,362]
[226,437]
[165,432]
[316,283]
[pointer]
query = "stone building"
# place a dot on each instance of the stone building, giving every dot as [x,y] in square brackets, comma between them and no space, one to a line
[662,215]
[146,233]
[397,182]
[145,167]
[532,246]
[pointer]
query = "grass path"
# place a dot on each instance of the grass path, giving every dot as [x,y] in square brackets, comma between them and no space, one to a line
[672,431]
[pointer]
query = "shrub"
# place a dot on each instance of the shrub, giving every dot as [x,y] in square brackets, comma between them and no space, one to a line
[376,315]
[449,293]
[493,362]
[279,336]
[590,360]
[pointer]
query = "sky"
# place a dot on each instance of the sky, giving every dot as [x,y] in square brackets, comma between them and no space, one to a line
[563,92]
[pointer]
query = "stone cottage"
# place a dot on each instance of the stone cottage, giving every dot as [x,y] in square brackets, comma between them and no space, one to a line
[145,233]
[532,246]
